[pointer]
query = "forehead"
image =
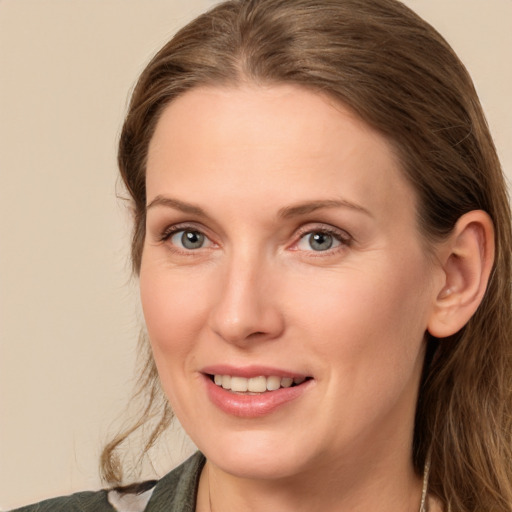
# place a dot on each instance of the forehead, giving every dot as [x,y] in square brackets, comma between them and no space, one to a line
[275,114]
[254,139]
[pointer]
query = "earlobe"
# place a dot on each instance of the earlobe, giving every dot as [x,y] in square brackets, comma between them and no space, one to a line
[466,258]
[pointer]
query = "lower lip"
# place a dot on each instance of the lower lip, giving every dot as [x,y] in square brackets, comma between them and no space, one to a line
[253,406]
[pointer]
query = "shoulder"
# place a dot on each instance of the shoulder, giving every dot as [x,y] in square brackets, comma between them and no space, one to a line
[175,492]
[79,502]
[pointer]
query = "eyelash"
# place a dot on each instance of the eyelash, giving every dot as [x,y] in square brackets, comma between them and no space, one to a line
[170,231]
[345,239]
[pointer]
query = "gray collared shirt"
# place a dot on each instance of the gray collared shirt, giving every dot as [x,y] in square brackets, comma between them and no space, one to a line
[175,492]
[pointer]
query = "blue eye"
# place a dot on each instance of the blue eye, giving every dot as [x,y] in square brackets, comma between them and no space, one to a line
[318,241]
[189,239]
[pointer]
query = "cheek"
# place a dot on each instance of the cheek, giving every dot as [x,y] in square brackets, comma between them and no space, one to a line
[374,315]
[173,316]
[172,311]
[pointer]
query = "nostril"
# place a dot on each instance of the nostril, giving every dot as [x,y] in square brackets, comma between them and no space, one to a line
[257,334]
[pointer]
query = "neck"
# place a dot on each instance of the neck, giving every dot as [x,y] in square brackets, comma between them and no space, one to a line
[381,488]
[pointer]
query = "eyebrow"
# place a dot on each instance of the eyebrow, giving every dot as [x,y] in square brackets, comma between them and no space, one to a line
[312,206]
[285,213]
[176,204]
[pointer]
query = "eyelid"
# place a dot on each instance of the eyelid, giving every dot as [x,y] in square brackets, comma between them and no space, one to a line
[169,231]
[340,235]
[172,229]
[343,236]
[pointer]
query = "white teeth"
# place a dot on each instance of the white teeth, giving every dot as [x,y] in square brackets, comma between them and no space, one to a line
[286,382]
[273,383]
[226,381]
[238,384]
[255,384]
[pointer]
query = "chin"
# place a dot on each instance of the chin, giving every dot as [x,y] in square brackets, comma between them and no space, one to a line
[256,455]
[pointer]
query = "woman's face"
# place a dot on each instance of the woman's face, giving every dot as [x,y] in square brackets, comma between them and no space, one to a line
[282,245]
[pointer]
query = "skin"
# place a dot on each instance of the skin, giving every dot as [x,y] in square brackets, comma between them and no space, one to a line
[352,317]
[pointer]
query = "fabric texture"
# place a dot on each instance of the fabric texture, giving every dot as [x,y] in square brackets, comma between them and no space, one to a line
[175,492]
[130,502]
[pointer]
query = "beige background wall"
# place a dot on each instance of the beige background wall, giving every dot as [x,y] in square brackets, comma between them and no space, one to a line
[68,313]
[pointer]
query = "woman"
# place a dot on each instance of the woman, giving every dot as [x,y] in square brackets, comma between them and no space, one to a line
[322,236]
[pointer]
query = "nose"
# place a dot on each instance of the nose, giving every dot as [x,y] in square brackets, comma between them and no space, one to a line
[247,308]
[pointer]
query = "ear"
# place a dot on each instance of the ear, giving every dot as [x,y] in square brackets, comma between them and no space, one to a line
[466,259]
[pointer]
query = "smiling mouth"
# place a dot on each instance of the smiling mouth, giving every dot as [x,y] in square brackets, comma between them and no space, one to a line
[255,385]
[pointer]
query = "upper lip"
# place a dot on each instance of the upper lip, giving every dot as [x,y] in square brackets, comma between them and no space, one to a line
[250,371]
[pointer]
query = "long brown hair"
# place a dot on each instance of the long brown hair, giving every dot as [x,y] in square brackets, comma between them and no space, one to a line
[401,77]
